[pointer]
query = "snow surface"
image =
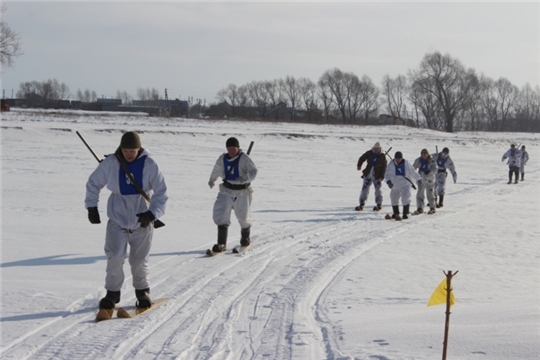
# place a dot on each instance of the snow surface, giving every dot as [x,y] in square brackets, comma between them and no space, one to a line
[321,282]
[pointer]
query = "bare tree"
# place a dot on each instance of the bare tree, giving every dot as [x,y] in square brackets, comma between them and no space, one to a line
[124,96]
[528,108]
[86,95]
[425,102]
[10,42]
[147,94]
[369,95]
[276,99]
[230,95]
[345,90]
[307,91]
[326,96]
[395,92]
[449,82]
[259,96]
[291,91]
[498,99]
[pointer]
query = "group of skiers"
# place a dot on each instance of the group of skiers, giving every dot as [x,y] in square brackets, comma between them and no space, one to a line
[427,172]
[138,198]
[139,195]
[517,159]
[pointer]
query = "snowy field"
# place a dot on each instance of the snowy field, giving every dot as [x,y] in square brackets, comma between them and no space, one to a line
[321,282]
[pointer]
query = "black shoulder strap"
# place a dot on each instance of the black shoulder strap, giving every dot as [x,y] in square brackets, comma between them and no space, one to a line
[131,178]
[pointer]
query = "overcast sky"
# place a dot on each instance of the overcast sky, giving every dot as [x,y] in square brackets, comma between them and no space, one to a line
[196,49]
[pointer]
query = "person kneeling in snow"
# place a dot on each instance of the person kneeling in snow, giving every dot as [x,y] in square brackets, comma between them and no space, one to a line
[131,220]
[398,178]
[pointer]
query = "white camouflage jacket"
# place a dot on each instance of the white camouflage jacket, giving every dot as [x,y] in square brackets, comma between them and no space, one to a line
[247,173]
[399,181]
[431,167]
[122,209]
[514,157]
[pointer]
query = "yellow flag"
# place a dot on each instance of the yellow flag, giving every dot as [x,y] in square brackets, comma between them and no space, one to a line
[439,295]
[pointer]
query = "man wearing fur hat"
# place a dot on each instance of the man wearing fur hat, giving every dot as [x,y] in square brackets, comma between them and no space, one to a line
[427,168]
[444,164]
[400,176]
[372,174]
[235,193]
[131,218]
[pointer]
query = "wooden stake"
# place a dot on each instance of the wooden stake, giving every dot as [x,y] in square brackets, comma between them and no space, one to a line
[449,276]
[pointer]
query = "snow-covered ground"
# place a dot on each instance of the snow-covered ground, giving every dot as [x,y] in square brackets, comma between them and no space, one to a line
[321,282]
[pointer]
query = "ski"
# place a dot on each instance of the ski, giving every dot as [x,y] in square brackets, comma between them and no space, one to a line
[209,252]
[239,249]
[104,314]
[136,311]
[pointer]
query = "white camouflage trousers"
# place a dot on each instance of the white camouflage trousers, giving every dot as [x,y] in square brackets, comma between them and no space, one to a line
[368,181]
[240,204]
[427,187]
[440,183]
[403,192]
[116,243]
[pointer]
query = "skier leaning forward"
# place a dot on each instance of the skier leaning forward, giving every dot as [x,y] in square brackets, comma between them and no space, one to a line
[235,193]
[372,174]
[131,220]
[427,168]
[398,178]
[444,164]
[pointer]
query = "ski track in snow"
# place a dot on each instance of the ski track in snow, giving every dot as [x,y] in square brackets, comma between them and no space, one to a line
[279,285]
[265,303]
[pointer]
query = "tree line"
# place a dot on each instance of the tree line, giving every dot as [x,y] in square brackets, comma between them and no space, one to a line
[440,94]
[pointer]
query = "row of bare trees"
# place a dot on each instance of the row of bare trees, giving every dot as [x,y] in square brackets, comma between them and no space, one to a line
[440,94]
[336,95]
[48,90]
[443,94]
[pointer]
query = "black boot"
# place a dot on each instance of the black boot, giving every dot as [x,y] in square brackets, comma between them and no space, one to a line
[395,209]
[440,204]
[244,241]
[405,211]
[143,298]
[221,245]
[109,301]
[522,176]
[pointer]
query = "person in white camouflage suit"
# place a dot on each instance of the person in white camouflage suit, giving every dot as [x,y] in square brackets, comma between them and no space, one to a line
[524,159]
[235,193]
[514,163]
[444,164]
[427,169]
[400,177]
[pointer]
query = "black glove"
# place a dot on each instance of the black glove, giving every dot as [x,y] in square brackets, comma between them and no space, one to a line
[389,183]
[93,215]
[146,218]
